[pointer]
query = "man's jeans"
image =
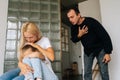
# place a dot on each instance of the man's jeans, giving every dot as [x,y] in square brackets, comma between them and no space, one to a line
[88,62]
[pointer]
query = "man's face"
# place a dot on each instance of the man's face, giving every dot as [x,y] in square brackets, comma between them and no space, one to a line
[73,17]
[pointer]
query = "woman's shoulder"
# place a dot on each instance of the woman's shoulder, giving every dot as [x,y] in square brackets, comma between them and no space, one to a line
[44,42]
[43,39]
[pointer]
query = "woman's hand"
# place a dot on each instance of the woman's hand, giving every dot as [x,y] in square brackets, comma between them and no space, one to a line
[34,45]
[25,68]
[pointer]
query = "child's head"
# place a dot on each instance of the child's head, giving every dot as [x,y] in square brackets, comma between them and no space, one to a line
[29,48]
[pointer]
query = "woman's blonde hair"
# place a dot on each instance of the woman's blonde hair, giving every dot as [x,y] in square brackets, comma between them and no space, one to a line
[30,27]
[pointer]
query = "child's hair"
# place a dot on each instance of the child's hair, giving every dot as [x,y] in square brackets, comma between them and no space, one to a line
[29,47]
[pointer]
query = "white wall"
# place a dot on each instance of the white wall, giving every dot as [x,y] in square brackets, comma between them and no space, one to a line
[90,8]
[110,12]
[3,24]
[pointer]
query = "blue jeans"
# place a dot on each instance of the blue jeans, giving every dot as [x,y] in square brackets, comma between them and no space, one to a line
[47,74]
[88,62]
[12,75]
[35,63]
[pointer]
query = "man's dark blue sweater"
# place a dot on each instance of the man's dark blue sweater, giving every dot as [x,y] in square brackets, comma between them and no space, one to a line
[95,40]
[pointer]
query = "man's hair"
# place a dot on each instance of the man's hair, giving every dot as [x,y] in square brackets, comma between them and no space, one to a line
[27,46]
[74,7]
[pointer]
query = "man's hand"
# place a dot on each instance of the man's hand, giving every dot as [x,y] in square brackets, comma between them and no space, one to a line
[82,31]
[107,58]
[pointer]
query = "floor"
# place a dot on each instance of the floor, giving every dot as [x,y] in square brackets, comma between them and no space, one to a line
[79,77]
[70,74]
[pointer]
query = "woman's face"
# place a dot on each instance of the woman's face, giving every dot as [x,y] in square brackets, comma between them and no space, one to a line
[30,38]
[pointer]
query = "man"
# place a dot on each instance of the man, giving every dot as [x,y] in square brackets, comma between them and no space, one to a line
[95,40]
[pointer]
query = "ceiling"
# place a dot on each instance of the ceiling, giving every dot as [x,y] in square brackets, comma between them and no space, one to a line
[65,4]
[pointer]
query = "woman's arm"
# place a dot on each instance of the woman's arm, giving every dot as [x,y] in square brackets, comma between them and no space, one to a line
[49,52]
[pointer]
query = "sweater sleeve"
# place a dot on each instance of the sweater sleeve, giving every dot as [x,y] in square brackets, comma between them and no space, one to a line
[103,36]
[74,33]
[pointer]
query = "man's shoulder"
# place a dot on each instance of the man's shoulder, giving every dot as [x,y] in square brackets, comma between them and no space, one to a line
[89,18]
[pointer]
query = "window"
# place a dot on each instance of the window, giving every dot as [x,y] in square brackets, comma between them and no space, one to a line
[65,38]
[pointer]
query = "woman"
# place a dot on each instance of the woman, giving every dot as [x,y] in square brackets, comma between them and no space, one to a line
[30,34]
